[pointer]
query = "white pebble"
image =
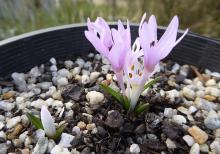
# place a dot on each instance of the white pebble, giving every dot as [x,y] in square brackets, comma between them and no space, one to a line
[192,109]
[68,64]
[62,82]
[85,79]
[65,140]
[195,149]
[6,106]
[189,140]
[53,61]
[179,119]
[76,129]
[76,71]
[64,73]
[135,149]
[58,149]
[13,121]
[210,83]
[94,97]
[53,68]
[169,112]
[170,144]
[94,76]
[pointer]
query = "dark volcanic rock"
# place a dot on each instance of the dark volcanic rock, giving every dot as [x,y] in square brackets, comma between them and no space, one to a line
[114,119]
[172,130]
[73,92]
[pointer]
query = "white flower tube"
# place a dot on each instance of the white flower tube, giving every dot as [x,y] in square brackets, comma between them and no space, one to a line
[47,122]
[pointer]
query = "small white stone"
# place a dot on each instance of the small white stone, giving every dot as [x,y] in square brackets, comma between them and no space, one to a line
[19,80]
[64,73]
[38,103]
[204,148]
[85,72]
[2,135]
[94,76]
[1,125]
[200,93]
[53,61]
[192,109]
[195,149]
[85,79]
[76,71]
[135,149]
[189,140]
[169,112]
[44,85]
[39,134]
[53,68]
[80,62]
[23,136]
[189,93]
[105,69]
[90,55]
[13,121]
[210,83]
[172,94]
[109,77]
[179,119]
[170,144]
[76,129]
[6,106]
[206,105]
[58,149]
[68,105]
[98,57]
[215,146]
[68,64]
[66,140]
[24,120]
[212,91]
[62,82]
[35,72]
[94,97]
[175,68]
[51,145]
[87,65]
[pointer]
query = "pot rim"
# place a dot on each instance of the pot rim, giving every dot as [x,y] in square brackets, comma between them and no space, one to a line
[45,30]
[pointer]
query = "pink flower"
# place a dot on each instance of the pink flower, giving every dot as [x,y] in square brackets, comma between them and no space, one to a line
[155,50]
[111,43]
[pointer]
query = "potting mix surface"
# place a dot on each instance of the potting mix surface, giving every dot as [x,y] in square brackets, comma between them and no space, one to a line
[183,115]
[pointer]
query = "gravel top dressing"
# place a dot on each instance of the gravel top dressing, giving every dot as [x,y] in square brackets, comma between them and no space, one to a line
[183,115]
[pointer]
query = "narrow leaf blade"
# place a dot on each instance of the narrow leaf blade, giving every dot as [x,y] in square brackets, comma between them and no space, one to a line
[59,132]
[141,108]
[35,121]
[112,92]
[152,82]
[126,103]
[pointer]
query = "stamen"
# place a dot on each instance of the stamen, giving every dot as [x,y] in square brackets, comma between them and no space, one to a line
[130,75]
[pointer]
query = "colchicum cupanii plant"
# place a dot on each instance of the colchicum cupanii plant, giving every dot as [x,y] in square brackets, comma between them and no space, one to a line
[133,65]
[46,123]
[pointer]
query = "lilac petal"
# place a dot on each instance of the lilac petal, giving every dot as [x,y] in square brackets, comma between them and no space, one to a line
[152,28]
[144,39]
[120,80]
[167,41]
[114,56]
[186,31]
[48,122]
[141,23]
[95,41]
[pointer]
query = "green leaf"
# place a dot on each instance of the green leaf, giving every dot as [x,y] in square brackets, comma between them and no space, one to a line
[152,82]
[126,103]
[35,121]
[141,108]
[112,92]
[59,131]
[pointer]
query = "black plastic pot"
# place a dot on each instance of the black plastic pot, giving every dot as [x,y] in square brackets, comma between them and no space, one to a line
[21,53]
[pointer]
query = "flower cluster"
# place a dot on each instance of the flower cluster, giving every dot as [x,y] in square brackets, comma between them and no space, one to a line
[133,65]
